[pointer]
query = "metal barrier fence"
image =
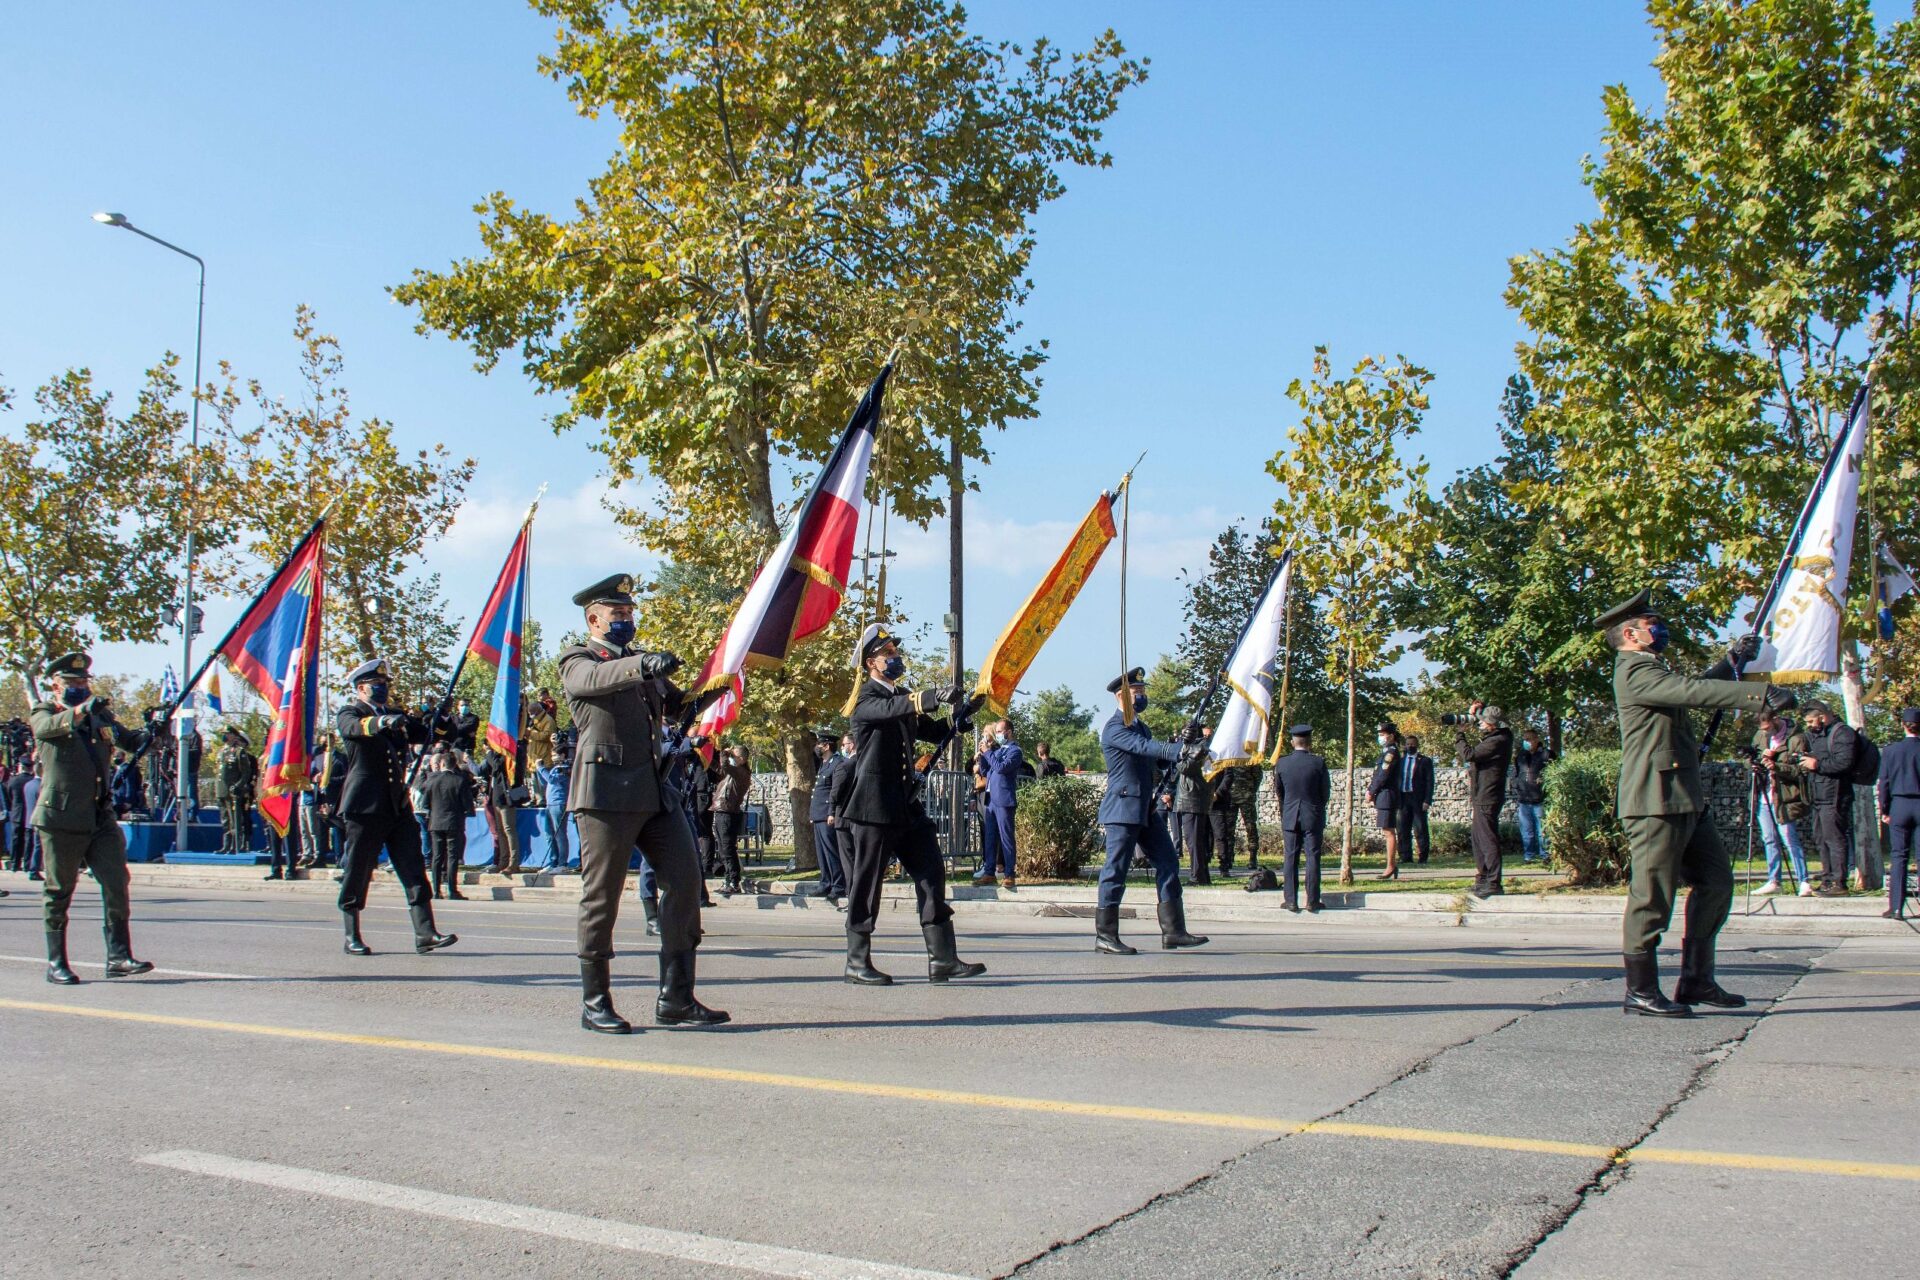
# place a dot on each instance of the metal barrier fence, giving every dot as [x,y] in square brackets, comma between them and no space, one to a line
[942,784]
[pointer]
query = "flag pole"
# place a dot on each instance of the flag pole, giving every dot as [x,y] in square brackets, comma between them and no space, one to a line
[1126,516]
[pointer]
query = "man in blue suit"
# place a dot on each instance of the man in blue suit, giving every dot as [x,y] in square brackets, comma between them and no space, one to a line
[1003,758]
[1126,812]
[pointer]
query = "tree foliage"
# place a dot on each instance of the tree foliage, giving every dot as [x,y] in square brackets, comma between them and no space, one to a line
[1055,717]
[1356,514]
[797,187]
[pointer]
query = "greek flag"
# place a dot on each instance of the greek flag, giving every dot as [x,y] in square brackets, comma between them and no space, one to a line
[169,685]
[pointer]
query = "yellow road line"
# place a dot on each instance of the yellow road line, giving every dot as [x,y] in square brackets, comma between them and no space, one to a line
[1269,1125]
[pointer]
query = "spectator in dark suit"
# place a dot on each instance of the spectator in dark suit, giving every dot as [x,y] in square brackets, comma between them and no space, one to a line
[1416,797]
[1302,786]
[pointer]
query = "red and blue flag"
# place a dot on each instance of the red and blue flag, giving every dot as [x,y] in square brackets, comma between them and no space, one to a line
[275,648]
[496,641]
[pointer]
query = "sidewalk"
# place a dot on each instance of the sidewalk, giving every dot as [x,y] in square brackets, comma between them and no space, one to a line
[1825,917]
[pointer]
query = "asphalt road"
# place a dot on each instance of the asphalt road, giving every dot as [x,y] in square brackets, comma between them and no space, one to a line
[1325,1101]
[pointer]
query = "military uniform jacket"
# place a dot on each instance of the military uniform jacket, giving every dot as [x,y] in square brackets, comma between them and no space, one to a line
[1899,772]
[375,762]
[1302,786]
[617,714]
[840,790]
[76,766]
[820,804]
[239,774]
[1659,756]
[1133,766]
[885,727]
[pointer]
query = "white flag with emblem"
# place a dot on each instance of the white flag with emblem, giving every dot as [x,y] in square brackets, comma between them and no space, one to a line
[1241,736]
[1800,630]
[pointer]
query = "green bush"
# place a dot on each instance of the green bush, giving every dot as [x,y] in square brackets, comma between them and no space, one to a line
[1583,836]
[1450,839]
[1057,827]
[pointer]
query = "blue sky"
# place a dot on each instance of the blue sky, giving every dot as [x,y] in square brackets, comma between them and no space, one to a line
[1291,174]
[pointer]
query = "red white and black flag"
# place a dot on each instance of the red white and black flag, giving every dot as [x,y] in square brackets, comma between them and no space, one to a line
[801,584]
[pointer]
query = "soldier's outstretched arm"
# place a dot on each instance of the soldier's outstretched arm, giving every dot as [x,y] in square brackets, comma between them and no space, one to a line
[352,724]
[1650,684]
[1134,744]
[583,677]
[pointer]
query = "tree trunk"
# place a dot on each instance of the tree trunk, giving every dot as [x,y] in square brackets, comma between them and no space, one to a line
[1866,817]
[1554,727]
[1346,829]
[800,770]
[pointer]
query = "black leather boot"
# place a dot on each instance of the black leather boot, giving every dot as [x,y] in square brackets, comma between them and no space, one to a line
[1696,985]
[651,910]
[1106,933]
[120,961]
[943,955]
[1643,988]
[355,947]
[596,999]
[1173,927]
[676,1006]
[58,971]
[860,962]
[425,937]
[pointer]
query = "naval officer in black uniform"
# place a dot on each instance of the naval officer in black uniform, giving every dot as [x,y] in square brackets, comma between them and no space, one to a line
[1900,808]
[884,818]
[377,742]
[1303,789]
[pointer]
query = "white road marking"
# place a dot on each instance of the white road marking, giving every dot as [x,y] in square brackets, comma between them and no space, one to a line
[172,973]
[683,1245]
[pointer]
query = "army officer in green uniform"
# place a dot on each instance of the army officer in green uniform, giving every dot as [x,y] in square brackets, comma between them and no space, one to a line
[1671,839]
[77,734]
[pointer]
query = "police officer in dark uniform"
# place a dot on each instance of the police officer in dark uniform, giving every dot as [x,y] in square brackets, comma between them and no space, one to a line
[376,742]
[75,735]
[1671,839]
[1134,760]
[884,818]
[1303,788]
[1899,788]
[622,799]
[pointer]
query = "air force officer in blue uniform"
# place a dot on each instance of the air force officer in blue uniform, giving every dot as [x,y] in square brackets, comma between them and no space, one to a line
[1126,812]
[1900,807]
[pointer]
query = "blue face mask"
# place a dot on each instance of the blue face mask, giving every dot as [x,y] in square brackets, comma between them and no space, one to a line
[620,633]
[895,668]
[377,694]
[74,695]
[1139,703]
[1657,637]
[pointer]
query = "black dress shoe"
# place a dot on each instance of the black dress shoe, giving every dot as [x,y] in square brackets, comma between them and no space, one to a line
[434,942]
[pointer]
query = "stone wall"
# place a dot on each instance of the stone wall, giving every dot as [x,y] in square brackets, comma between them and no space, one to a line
[1726,797]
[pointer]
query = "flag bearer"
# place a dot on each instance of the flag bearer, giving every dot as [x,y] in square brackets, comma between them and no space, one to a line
[376,744]
[621,799]
[1671,839]
[1126,813]
[884,818]
[74,816]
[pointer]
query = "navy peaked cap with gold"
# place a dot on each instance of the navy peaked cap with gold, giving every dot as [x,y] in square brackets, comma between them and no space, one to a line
[1136,676]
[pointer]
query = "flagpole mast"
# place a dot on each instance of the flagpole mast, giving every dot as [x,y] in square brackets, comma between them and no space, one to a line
[1126,517]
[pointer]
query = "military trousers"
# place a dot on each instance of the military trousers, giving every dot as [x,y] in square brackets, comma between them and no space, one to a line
[236,816]
[1666,851]
[1301,846]
[1903,825]
[826,850]
[64,854]
[1223,823]
[867,847]
[397,836]
[1150,840]
[1250,820]
[608,838]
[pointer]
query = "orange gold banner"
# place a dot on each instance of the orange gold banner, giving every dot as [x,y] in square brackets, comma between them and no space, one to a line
[1031,627]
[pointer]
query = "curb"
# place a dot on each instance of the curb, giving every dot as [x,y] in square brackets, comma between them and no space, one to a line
[1857,917]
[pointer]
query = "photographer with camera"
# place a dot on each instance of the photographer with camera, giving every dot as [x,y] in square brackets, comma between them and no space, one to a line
[1461,725]
[1781,802]
[1486,791]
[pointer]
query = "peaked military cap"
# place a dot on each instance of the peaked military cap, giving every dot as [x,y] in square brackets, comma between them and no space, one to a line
[234,733]
[71,665]
[870,641]
[1640,606]
[615,588]
[1301,731]
[375,670]
[1136,676]
[1910,716]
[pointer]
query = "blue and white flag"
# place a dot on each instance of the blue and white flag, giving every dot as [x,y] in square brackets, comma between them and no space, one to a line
[169,685]
[1895,581]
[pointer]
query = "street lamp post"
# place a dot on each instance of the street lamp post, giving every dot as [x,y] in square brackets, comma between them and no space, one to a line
[182,789]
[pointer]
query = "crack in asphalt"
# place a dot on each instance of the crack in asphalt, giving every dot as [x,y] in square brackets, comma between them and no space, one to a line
[1617,1170]
[1549,1000]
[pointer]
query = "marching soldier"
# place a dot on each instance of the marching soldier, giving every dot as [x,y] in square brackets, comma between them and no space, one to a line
[1127,817]
[237,776]
[74,815]
[377,743]
[1303,788]
[884,818]
[621,799]
[1663,806]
